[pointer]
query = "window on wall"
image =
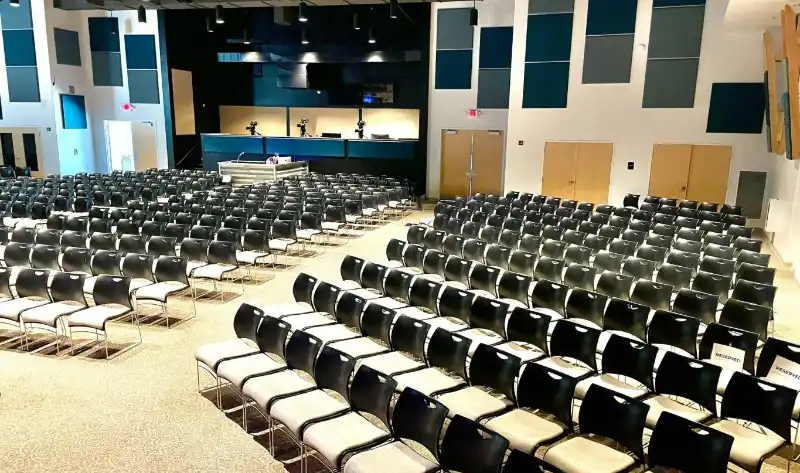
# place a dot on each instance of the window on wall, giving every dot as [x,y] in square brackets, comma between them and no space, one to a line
[31,154]
[7,148]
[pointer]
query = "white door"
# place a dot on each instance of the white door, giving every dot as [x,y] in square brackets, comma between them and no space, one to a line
[143,135]
[22,148]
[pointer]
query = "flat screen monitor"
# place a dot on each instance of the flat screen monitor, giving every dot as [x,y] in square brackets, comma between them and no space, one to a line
[379,137]
[331,135]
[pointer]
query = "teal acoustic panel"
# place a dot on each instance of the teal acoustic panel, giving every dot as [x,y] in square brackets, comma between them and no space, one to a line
[607,59]
[611,17]
[143,86]
[16,17]
[381,149]
[68,48]
[543,7]
[453,30]
[140,51]
[787,125]
[73,112]
[495,48]
[19,48]
[736,108]
[767,116]
[676,32]
[104,34]
[546,85]
[493,88]
[549,38]
[670,83]
[453,69]
[677,3]
[23,84]
[107,69]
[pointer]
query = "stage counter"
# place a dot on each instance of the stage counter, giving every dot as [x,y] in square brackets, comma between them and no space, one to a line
[218,148]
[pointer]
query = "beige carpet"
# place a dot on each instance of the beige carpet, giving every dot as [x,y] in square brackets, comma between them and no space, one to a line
[141,412]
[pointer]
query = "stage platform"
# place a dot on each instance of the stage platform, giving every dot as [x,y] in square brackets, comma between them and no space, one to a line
[250,172]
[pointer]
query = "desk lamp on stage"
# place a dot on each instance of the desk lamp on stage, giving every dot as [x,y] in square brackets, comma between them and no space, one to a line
[360,129]
[303,125]
[252,129]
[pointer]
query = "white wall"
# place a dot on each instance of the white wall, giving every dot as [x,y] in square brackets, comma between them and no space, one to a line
[609,112]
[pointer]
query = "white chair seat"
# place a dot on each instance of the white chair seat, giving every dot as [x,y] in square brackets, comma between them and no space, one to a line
[562,366]
[427,221]
[239,370]
[48,314]
[159,291]
[365,294]
[353,218]
[213,271]
[482,293]
[348,285]
[581,455]
[296,411]
[524,430]
[12,308]
[415,313]
[306,234]
[427,381]
[139,283]
[334,226]
[446,324]
[524,352]
[359,347]
[263,389]
[281,244]
[211,354]
[392,264]
[659,404]
[369,212]
[333,437]
[609,382]
[193,265]
[395,457]
[388,303]
[250,257]
[748,445]
[310,319]
[332,333]
[97,316]
[391,363]
[290,308]
[472,403]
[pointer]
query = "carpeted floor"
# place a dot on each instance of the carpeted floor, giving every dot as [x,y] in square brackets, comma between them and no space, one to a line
[141,412]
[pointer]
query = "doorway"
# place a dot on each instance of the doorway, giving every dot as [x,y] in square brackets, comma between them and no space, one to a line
[472,162]
[22,148]
[130,146]
[577,170]
[692,172]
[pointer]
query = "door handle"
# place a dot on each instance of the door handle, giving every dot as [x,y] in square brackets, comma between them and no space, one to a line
[571,182]
[683,188]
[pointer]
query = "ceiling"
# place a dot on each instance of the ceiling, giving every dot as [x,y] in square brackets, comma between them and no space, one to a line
[755,14]
[204,4]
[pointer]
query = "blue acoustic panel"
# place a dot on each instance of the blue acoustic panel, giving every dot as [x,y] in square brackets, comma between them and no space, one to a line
[16,17]
[549,38]
[19,48]
[453,30]
[453,69]
[546,85]
[234,144]
[107,69]
[676,32]
[736,108]
[607,59]
[143,86]
[543,7]
[323,147]
[73,112]
[23,84]
[495,52]
[493,88]
[68,47]
[677,3]
[611,17]
[379,149]
[140,51]
[670,83]
[767,115]
[104,34]
[787,125]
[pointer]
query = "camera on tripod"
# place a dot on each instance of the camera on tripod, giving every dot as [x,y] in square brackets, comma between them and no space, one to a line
[252,129]
[360,129]
[303,125]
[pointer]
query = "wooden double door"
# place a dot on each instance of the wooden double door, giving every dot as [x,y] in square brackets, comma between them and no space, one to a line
[577,170]
[690,172]
[475,152]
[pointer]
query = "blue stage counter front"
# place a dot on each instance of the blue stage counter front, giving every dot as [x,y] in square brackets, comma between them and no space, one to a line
[224,147]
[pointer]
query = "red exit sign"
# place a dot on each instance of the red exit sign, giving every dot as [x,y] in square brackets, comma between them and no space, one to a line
[473,113]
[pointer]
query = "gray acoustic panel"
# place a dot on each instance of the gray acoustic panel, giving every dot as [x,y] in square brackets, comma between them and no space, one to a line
[670,83]
[143,86]
[107,69]
[676,32]
[23,84]
[750,192]
[68,49]
[607,59]
[452,29]
[541,7]
[493,88]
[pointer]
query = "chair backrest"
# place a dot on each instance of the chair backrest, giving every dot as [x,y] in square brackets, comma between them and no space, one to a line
[615,416]
[195,249]
[132,244]
[419,418]
[45,257]
[741,347]
[544,388]
[626,316]
[759,401]
[579,342]
[68,287]
[161,246]
[625,357]
[32,283]
[680,444]
[468,447]
[171,268]
[138,266]
[586,305]
[17,254]
[106,262]
[495,369]
[76,259]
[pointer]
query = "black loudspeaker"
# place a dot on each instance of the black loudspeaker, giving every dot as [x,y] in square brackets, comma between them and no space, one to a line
[322,76]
